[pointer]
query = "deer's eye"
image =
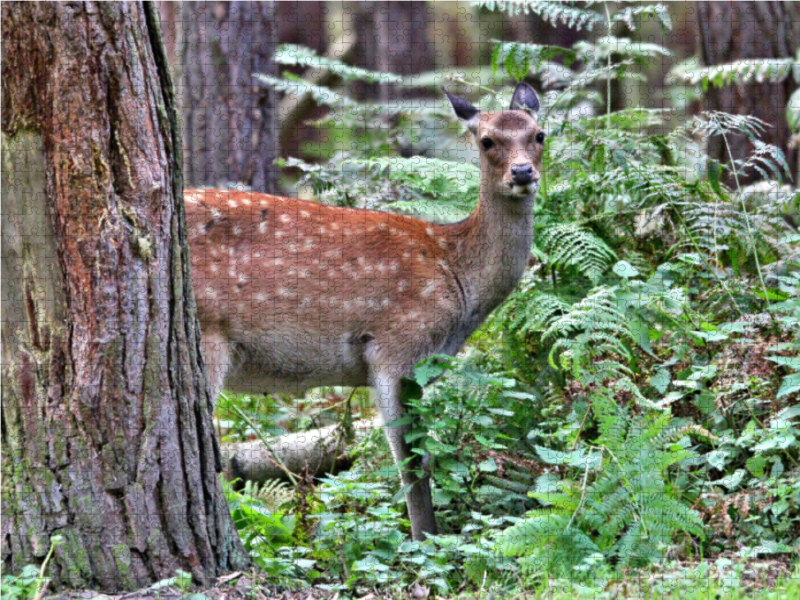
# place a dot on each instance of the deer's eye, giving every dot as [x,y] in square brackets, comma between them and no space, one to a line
[540,137]
[487,144]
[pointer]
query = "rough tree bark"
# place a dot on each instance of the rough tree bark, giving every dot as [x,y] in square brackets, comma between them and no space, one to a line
[731,31]
[229,123]
[107,435]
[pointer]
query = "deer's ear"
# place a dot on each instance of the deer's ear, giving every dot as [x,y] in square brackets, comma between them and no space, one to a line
[525,98]
[464,111]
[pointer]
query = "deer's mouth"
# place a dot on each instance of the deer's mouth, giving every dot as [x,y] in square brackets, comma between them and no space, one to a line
[522,191]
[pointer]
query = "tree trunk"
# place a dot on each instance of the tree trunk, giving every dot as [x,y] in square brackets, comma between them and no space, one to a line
[229,123]
[392,38]
[731,31]
[107,435]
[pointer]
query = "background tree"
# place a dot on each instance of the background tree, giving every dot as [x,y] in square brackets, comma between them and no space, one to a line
[107,436]
[229,123]
[734,31]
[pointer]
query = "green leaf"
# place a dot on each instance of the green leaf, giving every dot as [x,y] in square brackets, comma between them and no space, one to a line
[756,464]
[793,362]
[790,385]
[625,269]
[660,381]
[713,177]
[488,466]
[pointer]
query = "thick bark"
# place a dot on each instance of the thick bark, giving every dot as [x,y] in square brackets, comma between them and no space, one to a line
[731,31]
[229,123]
[107,436]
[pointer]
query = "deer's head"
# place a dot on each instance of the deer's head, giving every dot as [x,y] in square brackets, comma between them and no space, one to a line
[510,142]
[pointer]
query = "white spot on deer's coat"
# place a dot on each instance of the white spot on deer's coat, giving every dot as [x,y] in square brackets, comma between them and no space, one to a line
[428,289]
[245,201]
[237,230]
[429,231]
[304,214]
[261,298]
[402,285]
[278,262]
[262,227]
[285,218]
[232,204]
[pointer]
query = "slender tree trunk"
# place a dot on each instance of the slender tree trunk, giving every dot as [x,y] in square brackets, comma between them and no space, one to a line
[229,123]
[731,31]
[107,436]
[393,37]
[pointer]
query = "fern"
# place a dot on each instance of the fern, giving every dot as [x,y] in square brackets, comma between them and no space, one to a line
[570,245]
[294,55]
[625,510]
[630,15]
[444,190]
[757,70]
[555,13]
[298,87]
[273,494]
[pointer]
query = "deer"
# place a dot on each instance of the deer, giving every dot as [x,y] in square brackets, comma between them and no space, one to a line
[293,294]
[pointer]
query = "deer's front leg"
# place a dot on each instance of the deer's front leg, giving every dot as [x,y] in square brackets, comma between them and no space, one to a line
[387,387]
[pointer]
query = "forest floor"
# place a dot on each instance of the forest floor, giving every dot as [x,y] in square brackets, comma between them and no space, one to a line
[722,579]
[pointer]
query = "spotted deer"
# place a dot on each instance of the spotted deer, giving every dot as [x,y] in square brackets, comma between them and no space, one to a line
[293,294]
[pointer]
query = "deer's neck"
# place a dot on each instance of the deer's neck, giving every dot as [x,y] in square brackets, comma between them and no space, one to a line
[492,249]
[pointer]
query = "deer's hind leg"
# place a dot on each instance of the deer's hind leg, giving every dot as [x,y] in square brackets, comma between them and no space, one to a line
[217,355]
[387,385]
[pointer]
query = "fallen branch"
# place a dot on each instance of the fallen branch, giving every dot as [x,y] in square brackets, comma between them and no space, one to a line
[323,450]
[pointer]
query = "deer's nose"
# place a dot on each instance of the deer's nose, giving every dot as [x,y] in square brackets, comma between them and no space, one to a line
[522,174]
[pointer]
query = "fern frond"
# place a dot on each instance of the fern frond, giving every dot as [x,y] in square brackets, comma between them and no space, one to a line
[753,70]
[569,245]
[298,87]
[555,13]
[301,56]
